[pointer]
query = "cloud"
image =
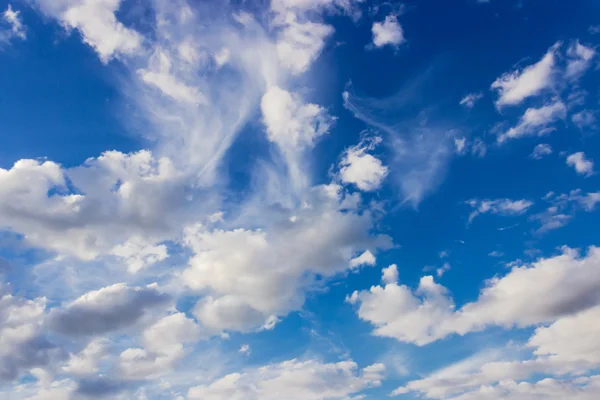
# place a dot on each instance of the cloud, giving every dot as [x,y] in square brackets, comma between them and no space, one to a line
[584,119]
[22,343]
[567,346]
[504,207]
[541,150]
[390,274]
[579,59]
[389,32]
[366,258]
[245,349]
[262,281]
[160,77]
[86,361]
[563,208]
[442,270]
[310,380]
[17,29]
[104,310]
[520,84]
[470,99]
[582,165]
[164,344]
[362,169]
[526,296]
[86,211]
[98,25]
[420,151]
[535,121]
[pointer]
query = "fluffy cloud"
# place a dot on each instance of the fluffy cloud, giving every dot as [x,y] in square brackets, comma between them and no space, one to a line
[528,295]
[516,86]
[86,361]
[261,280]
[505,207]
[21,345]
[294,380]
[541,150]
[87,210]
[164,344]
[582,165]
[389,32]
[294,127]
[362,169]
[535,120]
[97,23]
[110,308]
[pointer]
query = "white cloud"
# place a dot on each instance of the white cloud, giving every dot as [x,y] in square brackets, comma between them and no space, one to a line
[16,25]
[419,153]
[294,380]
[541,150]
[245,349]
[164,344]
[300,43]
[514,87]
[86,361]
[138,255]
[460,144]
[535,121]
[362,169]
[579,59]
[269,271]
[505,207]
[442,270]
[161,78]
[294,127]
[119,197]
[582,165]
[527,295]
[388,32]
[366,258]
[98,25]
[584,119]
[390,274]
[470,99]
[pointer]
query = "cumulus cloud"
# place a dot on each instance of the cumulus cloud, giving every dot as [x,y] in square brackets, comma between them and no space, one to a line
[541,150]
[96,22]
[584,119]
[362,169]
[104,310]
[23,345]
[527,295]
[504,207]
[535,121]
[261,281]
[294,379]
[96,206]
[520,84]
[389,32]
[582,165]
[164,344]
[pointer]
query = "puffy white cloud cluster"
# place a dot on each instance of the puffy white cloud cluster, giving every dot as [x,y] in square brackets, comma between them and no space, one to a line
[294,379]
[541,292]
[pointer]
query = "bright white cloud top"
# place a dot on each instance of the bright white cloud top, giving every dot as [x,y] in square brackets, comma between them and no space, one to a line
[299,199]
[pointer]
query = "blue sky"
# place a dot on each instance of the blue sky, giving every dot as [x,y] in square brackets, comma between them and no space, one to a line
[299,199]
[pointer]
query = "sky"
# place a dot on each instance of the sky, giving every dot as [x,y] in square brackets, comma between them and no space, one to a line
[299,199]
